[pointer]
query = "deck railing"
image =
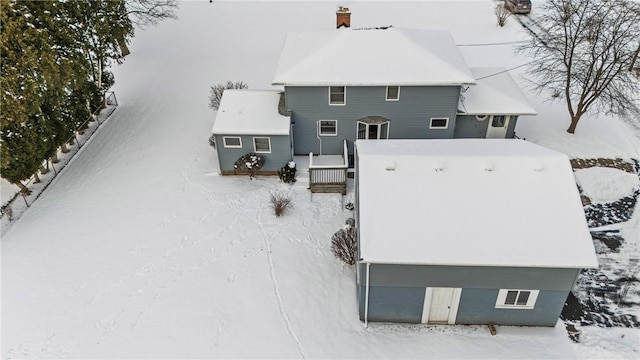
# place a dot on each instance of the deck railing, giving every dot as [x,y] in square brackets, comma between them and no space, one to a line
[329,178]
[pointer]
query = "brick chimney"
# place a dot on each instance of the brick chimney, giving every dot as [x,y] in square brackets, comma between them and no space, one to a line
[343,17]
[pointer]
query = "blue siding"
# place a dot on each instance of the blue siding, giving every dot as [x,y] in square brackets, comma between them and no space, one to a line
[393,304]
[409,116]
[470,276]
[477,306]
[467,126]
[511,129]
[396,292]
[279,156]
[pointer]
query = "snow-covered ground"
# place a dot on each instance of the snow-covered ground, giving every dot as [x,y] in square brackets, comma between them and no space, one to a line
[139,249]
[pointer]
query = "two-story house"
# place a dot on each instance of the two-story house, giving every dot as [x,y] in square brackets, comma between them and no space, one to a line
[347,84]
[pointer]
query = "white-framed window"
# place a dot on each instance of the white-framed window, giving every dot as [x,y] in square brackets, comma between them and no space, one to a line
[337,95]
[372,130]
[232,141]
[393,93]
[262,144]
[328,127]
[516,299]
[438,123]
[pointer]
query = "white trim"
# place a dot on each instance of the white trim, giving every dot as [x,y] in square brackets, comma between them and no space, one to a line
[366,300]
[344,99]
[426,306]
[224,142]
[255,149]
[502,296]
[387,93]
[320,128]
[455,303]
[498,131]
[446,126]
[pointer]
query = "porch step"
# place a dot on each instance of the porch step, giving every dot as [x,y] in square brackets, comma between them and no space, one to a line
[329,188]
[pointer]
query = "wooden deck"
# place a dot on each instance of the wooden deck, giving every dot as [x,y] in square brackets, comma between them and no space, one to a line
[328,173]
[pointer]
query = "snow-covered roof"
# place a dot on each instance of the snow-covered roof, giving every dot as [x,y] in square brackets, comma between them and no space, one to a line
[390,56]
[496,93]
[470,202]
[250,112]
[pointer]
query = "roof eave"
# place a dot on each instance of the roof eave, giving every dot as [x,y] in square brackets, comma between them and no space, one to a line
[400,83]
[581,265]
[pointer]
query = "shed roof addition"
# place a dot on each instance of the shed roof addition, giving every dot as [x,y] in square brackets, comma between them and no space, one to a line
[250,112]
[389,56]
[469,202]
[496,93]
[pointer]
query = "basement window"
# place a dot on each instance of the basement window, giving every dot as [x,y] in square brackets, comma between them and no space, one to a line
[516,299]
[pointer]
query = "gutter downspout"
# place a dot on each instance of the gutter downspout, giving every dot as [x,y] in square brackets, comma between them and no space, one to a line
[366,300]
[318,136]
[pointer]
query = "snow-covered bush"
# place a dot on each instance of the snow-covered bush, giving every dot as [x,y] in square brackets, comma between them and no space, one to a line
[212,141]
[218,89]
[502,14]
[250,163]
[287,173]
[280,202]
[343,243]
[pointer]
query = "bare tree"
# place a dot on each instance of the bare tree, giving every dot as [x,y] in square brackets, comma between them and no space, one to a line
[150,12]
[144,13]
[218,89]
[585,55]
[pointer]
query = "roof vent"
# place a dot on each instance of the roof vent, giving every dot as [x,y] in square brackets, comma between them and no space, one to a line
[487,166]
[438,166]
[391,166]
[343,17]
[538,167]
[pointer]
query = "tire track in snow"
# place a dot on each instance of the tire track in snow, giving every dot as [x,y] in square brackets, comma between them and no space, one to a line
[276,289]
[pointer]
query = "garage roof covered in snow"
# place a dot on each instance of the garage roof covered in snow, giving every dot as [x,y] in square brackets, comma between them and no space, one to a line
[469,202]
[496,93]
[250,112]
[389,56]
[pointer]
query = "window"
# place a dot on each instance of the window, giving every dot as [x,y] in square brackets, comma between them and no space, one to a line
[262,144]
[232,142]
[439,123]
[516,299]
[393,93]
[337,95]
[328,127]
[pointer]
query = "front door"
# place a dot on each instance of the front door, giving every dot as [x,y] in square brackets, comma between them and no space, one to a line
[498,125]
[440,305]
[373,130]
